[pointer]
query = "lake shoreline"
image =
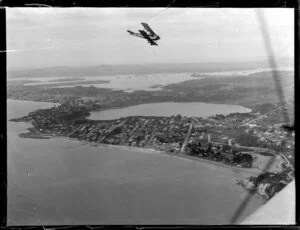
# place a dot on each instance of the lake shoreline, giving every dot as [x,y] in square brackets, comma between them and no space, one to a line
[187,109]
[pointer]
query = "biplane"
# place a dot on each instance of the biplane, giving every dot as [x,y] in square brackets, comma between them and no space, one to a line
[148,34]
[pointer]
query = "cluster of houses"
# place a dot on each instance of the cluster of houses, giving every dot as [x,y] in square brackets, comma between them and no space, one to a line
[164,133]
[56,119]
[274,137]
[134,131]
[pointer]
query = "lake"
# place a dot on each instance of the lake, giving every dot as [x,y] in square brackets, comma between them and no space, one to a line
[166,109]
[61,181]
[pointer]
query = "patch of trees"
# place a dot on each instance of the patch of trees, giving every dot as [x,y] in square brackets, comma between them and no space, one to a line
[219,117]
[74,115]
[117,130]
[240,115]
[244,160]
[219,154]
[270,177]
[276,181]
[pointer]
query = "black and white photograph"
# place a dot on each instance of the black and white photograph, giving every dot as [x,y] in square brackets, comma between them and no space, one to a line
[150,116]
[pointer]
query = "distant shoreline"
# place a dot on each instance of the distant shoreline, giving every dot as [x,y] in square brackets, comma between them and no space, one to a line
[149,68]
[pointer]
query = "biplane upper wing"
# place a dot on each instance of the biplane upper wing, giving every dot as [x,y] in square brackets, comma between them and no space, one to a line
[147,37]
[147,27]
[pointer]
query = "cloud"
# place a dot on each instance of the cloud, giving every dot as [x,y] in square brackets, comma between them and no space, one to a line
[96,35]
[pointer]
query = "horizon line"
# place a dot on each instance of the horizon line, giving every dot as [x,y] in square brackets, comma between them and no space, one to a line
[144,64]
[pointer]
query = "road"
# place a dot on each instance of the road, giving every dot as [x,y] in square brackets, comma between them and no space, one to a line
[151,138]
[230,140]
[187,137]
[80,126]
[248,122]
[195,120]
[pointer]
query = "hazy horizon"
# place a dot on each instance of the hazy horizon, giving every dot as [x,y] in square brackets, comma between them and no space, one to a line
[289,61]
[77,37]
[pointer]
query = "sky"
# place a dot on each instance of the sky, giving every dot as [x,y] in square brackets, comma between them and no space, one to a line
[48,37]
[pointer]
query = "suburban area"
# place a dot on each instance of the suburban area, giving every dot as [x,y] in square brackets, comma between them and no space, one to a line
[245,140]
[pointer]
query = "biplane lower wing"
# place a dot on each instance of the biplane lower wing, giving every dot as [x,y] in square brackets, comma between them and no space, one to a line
[135,34]
[145,35]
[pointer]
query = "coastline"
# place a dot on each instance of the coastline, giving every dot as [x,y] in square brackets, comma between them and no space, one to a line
[252,171]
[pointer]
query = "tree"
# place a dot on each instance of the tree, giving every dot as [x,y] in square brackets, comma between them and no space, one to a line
[178,117]
[209,147]
[274,188]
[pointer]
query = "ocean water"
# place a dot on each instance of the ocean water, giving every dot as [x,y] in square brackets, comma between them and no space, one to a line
[62,181]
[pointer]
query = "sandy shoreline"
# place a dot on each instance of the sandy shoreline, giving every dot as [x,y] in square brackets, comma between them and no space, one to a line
[252,171]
